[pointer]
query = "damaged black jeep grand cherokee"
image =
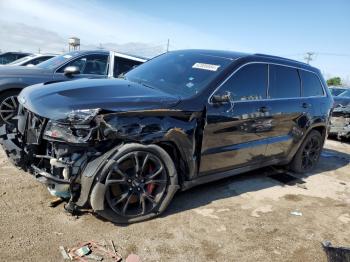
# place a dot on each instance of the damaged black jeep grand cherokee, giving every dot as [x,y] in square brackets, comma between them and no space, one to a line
[125,146]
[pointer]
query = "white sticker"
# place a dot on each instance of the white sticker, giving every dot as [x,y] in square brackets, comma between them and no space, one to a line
[206,66]
[67,56]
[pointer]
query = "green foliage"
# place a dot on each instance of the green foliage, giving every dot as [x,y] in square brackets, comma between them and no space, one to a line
[334,81]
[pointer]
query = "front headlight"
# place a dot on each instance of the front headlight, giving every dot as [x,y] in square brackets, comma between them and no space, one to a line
[78,134]
[82,116]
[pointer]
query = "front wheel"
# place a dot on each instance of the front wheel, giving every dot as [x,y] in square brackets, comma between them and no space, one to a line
[308,154]
[8,106]
[140,182]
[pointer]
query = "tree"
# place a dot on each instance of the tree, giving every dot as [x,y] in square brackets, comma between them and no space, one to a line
[334,81]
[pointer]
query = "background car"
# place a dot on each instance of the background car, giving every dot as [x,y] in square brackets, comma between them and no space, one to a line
[337,90]
[9,57]
[31,60]
[70,66]
[342,99]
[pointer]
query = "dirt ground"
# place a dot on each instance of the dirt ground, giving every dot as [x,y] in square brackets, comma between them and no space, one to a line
[244,218]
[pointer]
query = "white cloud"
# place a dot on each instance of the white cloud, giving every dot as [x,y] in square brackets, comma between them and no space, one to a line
[95,24]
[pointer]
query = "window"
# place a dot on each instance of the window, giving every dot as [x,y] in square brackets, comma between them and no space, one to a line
[89,64]
[311,84]
[37,60]
[123,65]
[248,83]
[284,82]
[180,73]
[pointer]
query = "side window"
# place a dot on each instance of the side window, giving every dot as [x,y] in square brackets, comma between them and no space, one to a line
[123,65]
[248,83]
[36,61]
[89,64]
[311,84]
[284,82]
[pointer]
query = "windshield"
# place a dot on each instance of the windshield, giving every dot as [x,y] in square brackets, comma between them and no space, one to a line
[56,61]
[345,94]
[179,73]
[21,60]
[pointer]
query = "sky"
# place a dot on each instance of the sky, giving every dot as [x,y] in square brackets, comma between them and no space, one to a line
[288,28]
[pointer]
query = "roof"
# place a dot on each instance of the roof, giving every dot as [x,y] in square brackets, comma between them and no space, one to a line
[262,57]
[219,53]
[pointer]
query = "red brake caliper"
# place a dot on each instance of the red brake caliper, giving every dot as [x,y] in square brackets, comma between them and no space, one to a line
[150,187]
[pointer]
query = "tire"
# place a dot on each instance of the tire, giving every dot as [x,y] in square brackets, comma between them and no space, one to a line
[139,183]
[308,153]
[8,102]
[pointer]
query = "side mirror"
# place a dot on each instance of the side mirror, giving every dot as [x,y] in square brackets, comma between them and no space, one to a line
[71,70]
[219,99]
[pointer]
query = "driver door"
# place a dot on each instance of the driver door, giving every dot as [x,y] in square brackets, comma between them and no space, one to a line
[235,130]
[90,66]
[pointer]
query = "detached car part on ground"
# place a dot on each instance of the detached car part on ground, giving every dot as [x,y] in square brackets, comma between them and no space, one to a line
[125,146]
[70,66]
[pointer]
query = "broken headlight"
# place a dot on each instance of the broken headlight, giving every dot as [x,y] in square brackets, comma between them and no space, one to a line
[82,116]
[77,134]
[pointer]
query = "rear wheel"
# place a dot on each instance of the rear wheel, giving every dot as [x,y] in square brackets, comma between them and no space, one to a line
[139,183]
[8,106]
[308,154]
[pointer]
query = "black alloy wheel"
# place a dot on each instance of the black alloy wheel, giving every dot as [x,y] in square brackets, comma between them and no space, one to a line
[308,153]
[136,184]
[8,108]
[311,153]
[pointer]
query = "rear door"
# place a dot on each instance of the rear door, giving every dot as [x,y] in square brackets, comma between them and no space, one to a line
[288,110]
[235,131]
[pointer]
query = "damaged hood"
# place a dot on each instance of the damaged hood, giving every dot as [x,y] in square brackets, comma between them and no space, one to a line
[56,101]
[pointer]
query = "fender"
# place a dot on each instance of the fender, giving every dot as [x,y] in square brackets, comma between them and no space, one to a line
[10,84]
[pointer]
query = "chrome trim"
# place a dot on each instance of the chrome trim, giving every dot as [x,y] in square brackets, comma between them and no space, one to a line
[111,65]
[268,99]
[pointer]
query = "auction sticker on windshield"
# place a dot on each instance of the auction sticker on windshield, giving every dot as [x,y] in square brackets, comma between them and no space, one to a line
[203,66]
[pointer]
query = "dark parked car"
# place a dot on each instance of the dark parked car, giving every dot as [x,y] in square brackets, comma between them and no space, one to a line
[125,146]
[9,57]
[70,66]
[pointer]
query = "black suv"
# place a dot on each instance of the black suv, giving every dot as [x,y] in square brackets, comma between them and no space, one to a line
[125,146]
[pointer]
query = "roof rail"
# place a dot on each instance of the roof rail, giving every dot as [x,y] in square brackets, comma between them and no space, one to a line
[281,58]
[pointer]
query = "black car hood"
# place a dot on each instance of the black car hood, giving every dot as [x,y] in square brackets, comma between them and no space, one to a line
[56,101]
[22,71]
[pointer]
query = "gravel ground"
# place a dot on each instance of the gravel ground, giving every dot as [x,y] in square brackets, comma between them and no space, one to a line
[244,218]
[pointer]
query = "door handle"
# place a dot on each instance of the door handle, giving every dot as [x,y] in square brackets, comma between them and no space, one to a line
[307,105]
[264,109]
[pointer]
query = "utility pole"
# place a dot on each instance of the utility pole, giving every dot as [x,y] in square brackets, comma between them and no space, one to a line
[308,57]
[167,46]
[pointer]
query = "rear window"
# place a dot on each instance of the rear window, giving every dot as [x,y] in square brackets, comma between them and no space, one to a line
[311,84]
[284,82]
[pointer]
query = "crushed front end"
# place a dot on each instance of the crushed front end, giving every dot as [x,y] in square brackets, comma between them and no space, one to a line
[340,122]
[54,153]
